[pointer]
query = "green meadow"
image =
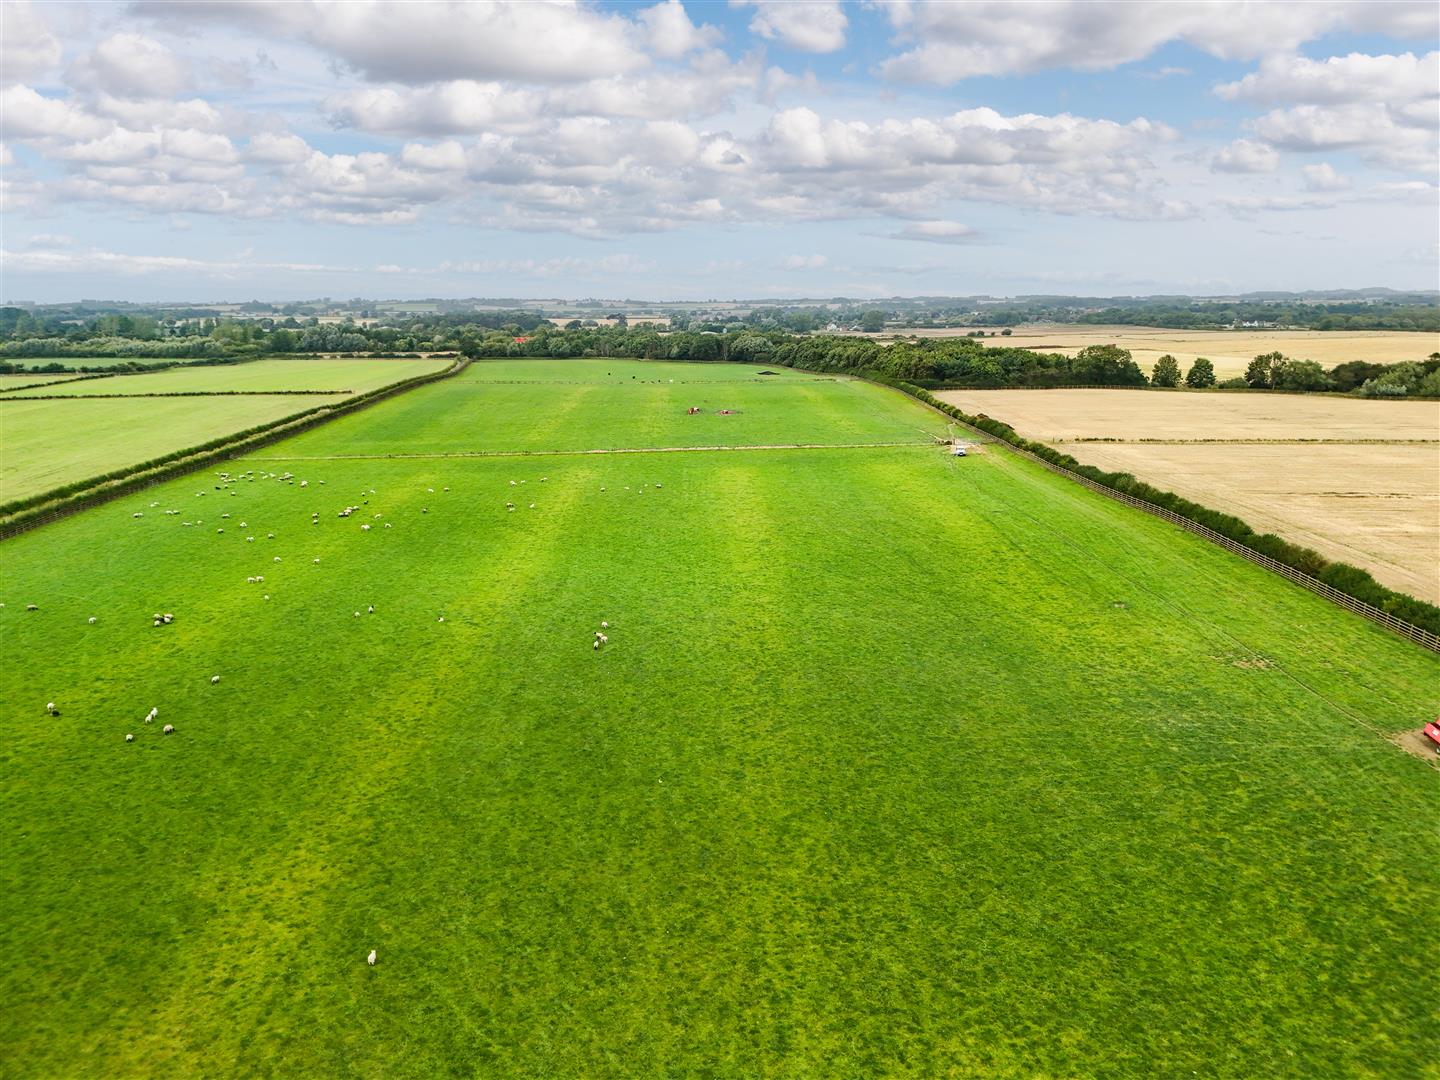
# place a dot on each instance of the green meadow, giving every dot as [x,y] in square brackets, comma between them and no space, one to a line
[894,764]
[256,376]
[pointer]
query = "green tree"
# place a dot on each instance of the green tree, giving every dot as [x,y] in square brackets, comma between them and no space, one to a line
[1166,372]
[872,321]
[1260,374]
[1106,365]
[1201,374]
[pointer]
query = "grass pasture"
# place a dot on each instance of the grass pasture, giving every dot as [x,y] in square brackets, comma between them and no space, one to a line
[21,382]
[257,376]
[894,765]
[625,404]
[47,444]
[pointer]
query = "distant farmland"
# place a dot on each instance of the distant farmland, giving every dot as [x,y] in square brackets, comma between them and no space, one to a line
[893,764]
[50,443]
[1229,350]
[1356,480]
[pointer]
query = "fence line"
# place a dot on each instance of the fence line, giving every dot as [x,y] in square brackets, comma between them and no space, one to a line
[210,457]
[1420,636]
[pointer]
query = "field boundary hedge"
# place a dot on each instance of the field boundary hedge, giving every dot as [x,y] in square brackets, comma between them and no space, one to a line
[175,393]
[1003,434]
[22,515]
[53,382]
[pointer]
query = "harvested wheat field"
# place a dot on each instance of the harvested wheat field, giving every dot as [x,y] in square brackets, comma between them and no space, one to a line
[1228,350]
[1356,480]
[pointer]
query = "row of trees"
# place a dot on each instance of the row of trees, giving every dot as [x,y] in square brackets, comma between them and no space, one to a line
[1275,371]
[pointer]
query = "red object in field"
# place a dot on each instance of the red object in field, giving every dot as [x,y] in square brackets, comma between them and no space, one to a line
[1432,731]
[521,340]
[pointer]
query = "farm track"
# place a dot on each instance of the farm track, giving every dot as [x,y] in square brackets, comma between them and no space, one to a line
[583,453]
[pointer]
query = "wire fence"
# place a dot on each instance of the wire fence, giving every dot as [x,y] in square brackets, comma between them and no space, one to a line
[1419,635]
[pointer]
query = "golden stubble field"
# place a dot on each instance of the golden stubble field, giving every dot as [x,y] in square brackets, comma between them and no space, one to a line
[1229,350]
[1356,480]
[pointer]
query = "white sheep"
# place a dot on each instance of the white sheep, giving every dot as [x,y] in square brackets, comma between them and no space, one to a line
[604,625]
[277,558]
[168,729]
[129,737]
[371,958]
[357,614]
[214,679]
[137,514]
[315,560]
[50,708]
[270,536]
[370,610]
[92,620]
[364,528]
[442,618]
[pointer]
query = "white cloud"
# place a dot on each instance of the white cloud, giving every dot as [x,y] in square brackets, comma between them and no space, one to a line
[1323,177]
[443,109]
[937,232]
[28,49]
[1246,156]
[816,26]
[804,262]
[387,40]
[1370,129]
[670,33]
[130,66]
[272,148]
[25,113]
[96,260]
[996,37]
[1338,80]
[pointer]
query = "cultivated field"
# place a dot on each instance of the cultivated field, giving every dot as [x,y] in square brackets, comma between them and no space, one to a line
[894,764]
[1229,350]
[1356,480]
[335,375]
[46,444]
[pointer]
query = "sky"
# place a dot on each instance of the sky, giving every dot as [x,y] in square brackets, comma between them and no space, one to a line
[677,150]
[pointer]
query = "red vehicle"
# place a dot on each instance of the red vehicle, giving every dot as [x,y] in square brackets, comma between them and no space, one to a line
[1432,731]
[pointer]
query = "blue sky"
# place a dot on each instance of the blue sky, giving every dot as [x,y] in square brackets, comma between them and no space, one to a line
[689,151]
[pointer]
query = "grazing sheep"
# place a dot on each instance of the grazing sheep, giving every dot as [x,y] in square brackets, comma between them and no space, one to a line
[249,581]
[249,539]
[50,708]
[137,514]
[357,614]
[277,558]
[532,506]
[604,625]
[364,528]
[168,729]
[214,679]
[371,958]
[242,524]
[370,610]
[92,620]
[442,618]
[315,560]
[512,483]
[304,483]
[32,607]
[388,525]
[269,536]
[129,737]
[266,596]
[595,644]
[221,530]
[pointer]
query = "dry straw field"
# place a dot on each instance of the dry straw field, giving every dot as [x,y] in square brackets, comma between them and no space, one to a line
[1228,350]
[1356,480]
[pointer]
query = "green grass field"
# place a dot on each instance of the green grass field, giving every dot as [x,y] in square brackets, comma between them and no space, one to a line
[47,444]
[14,382]
[894,764]
[624,404]
[355,376]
